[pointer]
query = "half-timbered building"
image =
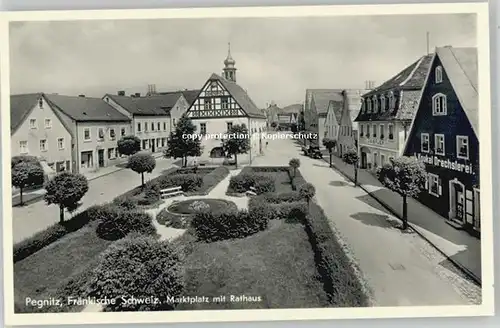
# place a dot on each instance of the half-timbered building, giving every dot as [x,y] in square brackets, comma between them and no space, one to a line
[221,104]
[444,136]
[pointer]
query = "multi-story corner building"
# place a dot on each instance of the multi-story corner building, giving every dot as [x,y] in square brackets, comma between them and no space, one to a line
[444,136]
[387,112]
[38,130]
[221,104]
[153,117]
[95,128]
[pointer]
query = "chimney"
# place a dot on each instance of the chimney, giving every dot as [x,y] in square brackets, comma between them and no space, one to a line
[137,94]
[82,96]
[121,93]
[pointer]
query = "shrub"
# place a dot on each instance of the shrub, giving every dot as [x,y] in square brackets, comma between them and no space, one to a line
[291,196]
[116,223]
[272,207]
[187,181]
[307,191]
[138,268]
[126,202]
[338,273]
[243,181]
[199,206]
[173,220]
[228,224]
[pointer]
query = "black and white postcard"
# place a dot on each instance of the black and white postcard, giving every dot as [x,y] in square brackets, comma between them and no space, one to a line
[284,163]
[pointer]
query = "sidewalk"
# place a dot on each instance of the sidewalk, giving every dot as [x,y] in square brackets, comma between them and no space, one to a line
[462,249]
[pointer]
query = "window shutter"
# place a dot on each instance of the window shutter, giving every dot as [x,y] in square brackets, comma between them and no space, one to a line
[440,188]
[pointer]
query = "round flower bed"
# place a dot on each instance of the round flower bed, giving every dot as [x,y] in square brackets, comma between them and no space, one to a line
[178,215]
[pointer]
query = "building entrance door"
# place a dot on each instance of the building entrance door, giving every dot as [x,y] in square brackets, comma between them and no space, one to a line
[100,155]
[363,160]
[459,205]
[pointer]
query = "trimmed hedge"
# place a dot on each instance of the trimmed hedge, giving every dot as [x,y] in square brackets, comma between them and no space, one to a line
[340,279]
[230,224]
[116,222]
[243,181]
[279,206]
[213,178]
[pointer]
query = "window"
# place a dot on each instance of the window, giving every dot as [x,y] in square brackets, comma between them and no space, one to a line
[374,130]
[112,134]
[101,134]
[152,126]
[117,153]
[375,104]
[439,144]
[43,145]
[86,134]
[424,142]
[381,131]
[391,101]
[208,103]
[463,147]
[138,127]
[438,74]
[60,143]
[174,122]
[23,147]
[203,128]
[48,123]
[225,102]
[145,127]
[391,132]
[33,123]
[382,103]
[434,185]
[369,103]
[165,125]
[368,130]
[439,104]
[229,126]
[123,132]
[361,130]
[159,126]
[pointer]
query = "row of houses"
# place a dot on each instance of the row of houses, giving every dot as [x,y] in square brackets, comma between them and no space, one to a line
[428,110]
[283,118]
[80,134]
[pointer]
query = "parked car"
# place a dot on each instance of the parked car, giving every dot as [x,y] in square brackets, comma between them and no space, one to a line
[312,151]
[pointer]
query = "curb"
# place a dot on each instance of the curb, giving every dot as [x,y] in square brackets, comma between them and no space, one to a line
[459,266]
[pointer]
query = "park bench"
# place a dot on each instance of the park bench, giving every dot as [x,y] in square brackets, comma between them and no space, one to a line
[170,192]
[252,192]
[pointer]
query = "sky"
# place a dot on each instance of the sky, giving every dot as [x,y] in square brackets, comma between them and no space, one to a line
[277,58]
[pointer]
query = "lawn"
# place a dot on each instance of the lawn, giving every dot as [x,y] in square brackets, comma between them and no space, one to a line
[58,270]
[276,265]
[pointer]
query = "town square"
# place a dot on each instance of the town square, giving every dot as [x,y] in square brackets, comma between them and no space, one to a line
[225,178]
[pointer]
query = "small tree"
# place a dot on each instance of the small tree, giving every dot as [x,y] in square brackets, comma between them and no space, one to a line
[183,142]
[351,157]
[294,128]
[66,189]
[26,174]
[129,145]
[294,165]
[330,144]
[307,191]
[141,163]
[237,142]
[141,268]
[405,176]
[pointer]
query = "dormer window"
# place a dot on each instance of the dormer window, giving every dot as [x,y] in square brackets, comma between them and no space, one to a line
[392,102]
[375,104]
[438,74]
[382,103]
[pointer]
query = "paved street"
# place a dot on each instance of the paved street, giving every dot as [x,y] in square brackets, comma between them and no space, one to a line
[400,268]
[37,216]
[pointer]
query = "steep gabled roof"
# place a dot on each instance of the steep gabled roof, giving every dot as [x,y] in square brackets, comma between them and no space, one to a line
[154,105]
[241,96]
[295,108]
[189,95]
[460,65]
[85,109]
[20,107]
[322,97]
[407,88]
